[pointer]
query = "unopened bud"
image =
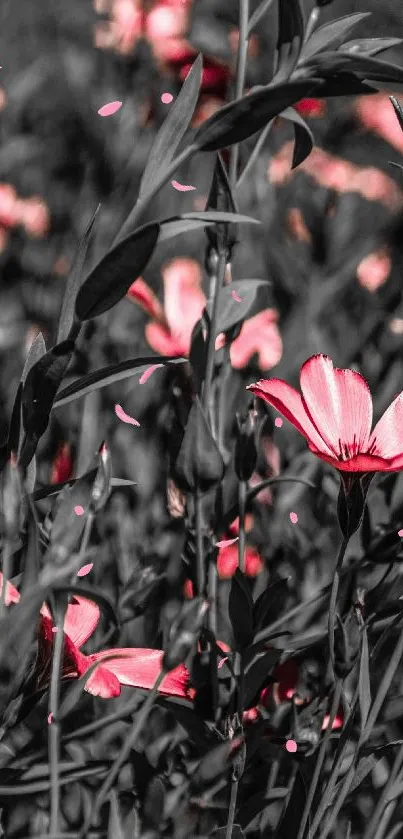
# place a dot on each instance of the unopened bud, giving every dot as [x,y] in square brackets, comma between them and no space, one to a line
[102,483]
[245,447]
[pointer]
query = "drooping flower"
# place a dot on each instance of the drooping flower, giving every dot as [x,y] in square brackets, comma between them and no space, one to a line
[334,414]
[135,667]
[170,330]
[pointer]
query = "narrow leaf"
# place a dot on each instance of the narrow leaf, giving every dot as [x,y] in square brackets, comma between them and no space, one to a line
[232,310]
[258,14]
[290,38]
[74,280]
[240,606]
[173,128]
[110,374]
[303,136]
[364,680]
[371,46]
[246,116]
[331,35]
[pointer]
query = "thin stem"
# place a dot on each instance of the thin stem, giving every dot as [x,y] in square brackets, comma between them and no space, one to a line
[122,756]
[212,594]
[242,491]
[320,758]
[232,808]
[217,281]
[54,694]
[200,565]
[240,77]
[333,599]
[383,809]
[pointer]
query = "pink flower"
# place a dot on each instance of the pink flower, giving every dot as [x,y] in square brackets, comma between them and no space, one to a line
[378,116]
[62,466]
[334,414]
[312,108]
[228,562]
[131,666]
[170,330]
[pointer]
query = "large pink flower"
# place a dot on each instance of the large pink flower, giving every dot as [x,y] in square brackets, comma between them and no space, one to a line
[334,413]
[131,666]
[170,330]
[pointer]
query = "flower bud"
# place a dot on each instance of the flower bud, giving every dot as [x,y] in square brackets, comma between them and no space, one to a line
[102,482]
[245,447]
[185,632]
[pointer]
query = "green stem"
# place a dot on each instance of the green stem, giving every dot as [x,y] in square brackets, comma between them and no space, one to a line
[333,599]
[122,756]
[240,77]
[242,491]
[320,758]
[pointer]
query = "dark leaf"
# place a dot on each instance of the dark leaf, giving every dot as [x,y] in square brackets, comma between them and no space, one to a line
[258,803]
[364,680]
[199,463]
[110,374]
[67,525]
[187,222]
[74,281]
[112,277]
[232,311]
[240,606]
[304,139]
[331,35]
[257,672]
[115,826]
[96,768]
[365,766]
[291,820]
[39,391]
[262,609]
[54,489]
[246,116]
[213,764]
[198,355]
[173,128]
[371,46]
[290,38]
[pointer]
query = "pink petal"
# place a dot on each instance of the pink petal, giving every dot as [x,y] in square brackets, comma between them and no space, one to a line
[140,293]
[339,404]
[228,561]
[85,569]
[236,296]
[291,746]
[12,595]
[162,341]
[226,542]
[102,682]
[79,510]
[400,533]
[140,668]
[184,299]
[109,109]
[362,463]
[286,399]
[50,719]
[147,373]
[121,414]
[278,422]
[166,98]
[259,335]
[387,436]
[82,618]
[293,518]
[182,187]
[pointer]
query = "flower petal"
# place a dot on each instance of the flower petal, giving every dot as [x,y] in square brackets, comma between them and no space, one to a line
[184,299]
[82,617]
[140,668]
[12,595]
[102,682]
[387,436]
[140,293]
[362,463]
[161,340]
[339,404]
[260,335]
[288,401]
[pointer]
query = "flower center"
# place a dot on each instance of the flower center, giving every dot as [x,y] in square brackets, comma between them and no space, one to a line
[352,449]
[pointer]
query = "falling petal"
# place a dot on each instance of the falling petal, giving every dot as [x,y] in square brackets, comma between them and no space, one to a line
[85,570]
[291,746]
[121,414]
[55,629]
[166,98]
[147,373]
[278,422]
[50,719]
[236,296]
[79,510]
[222,662]
[182,187]
[225,542]
[293,518]
[109,109]
[400,533]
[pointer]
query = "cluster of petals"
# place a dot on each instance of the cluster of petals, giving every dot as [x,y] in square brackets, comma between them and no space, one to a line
[334,413]
[29,213]
[170,330]
[135,667]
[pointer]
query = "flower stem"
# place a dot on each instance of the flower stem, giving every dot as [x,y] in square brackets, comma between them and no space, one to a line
[232,808]
[217,281]
[242,491]
[333,599]
[122,756]
[240,77]
[320,758]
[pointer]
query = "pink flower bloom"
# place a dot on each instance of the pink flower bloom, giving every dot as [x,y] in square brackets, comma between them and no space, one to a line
[131,666]
[170,329]
[334,414]
[228,561]
[312,108]
[62,466]
[378,116]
